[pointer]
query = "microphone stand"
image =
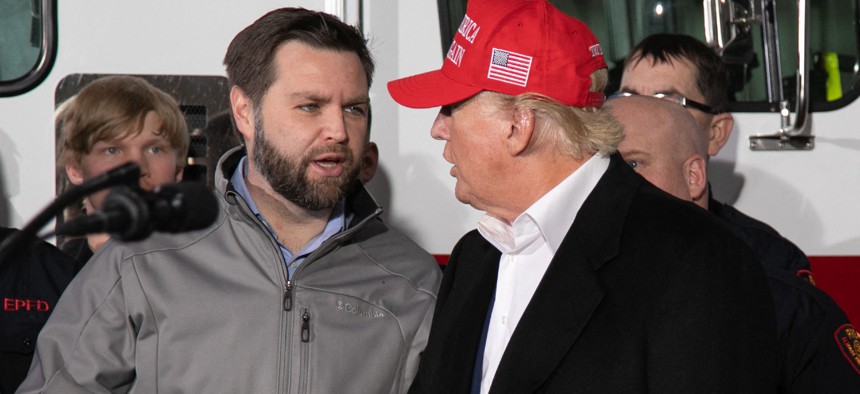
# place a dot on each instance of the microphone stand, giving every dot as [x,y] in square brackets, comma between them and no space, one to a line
[128,173]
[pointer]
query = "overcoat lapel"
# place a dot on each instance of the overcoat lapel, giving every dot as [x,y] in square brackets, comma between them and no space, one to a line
[570,290]
[464,306]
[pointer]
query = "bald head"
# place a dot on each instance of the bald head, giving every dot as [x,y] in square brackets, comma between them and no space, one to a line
[662,143]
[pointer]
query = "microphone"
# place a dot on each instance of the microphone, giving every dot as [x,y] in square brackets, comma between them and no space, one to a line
[131,214]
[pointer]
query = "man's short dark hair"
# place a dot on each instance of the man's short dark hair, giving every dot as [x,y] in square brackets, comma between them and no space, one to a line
[250,55]
[712,78]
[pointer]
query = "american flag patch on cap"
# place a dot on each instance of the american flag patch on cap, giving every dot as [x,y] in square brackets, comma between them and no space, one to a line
[510,67]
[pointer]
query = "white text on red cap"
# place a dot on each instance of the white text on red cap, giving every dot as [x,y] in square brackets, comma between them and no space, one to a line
[469,30]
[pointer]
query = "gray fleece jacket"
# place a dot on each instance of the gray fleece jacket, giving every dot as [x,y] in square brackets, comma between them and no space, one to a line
[213,311]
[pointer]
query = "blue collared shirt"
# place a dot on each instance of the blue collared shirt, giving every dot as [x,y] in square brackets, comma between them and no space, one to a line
[337,222]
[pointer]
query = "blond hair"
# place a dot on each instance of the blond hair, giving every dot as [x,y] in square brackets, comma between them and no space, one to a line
[572,131]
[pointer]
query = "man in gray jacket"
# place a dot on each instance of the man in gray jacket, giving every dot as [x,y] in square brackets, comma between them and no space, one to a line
[297,287]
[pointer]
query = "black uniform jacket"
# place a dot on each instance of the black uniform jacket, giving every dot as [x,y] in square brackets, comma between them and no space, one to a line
[645,294]
[819,348]
[31,281]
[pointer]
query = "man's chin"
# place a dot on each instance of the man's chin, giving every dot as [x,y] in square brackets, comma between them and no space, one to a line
[463,197]
[315,204]
[322,197]
[329,185]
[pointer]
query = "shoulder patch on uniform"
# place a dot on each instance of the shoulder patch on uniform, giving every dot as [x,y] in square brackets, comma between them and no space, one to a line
[806,275]
[849,342]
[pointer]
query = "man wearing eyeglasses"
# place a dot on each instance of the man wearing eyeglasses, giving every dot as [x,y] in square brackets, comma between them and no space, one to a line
[684,70]
[681,68]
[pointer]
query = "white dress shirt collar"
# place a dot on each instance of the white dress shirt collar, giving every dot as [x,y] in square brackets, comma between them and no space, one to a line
[550,216]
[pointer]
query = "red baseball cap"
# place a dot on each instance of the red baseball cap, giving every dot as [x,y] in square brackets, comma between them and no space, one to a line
[511,47]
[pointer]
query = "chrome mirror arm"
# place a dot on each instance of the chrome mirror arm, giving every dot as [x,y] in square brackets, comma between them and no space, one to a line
[799,135]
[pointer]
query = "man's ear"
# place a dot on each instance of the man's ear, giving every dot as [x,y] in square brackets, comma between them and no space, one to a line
[520,134]
[243,112]
[74,173]
[720,130]
[696,177]
[369,162]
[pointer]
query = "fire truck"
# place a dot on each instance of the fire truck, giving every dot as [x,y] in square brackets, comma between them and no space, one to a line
[793,160]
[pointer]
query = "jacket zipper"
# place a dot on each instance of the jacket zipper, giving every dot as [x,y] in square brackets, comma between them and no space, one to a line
[306,325]
[305,351]
[288,295]
[284,379]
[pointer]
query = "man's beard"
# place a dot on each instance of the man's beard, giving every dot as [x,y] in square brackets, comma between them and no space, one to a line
[287,175]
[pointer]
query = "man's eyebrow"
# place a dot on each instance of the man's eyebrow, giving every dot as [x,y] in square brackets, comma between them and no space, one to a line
[670,91]
[359,101]
[310,96]
[321,98]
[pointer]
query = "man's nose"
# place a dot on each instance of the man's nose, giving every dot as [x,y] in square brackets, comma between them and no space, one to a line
[440,130]
[335,126]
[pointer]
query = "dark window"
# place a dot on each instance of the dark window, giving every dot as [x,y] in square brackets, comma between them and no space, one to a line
[28,37]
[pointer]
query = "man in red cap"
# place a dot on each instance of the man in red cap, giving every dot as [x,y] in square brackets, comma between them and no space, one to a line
[582,276]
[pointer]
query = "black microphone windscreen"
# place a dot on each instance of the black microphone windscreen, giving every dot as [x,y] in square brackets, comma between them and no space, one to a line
[184,206]
[133,214]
